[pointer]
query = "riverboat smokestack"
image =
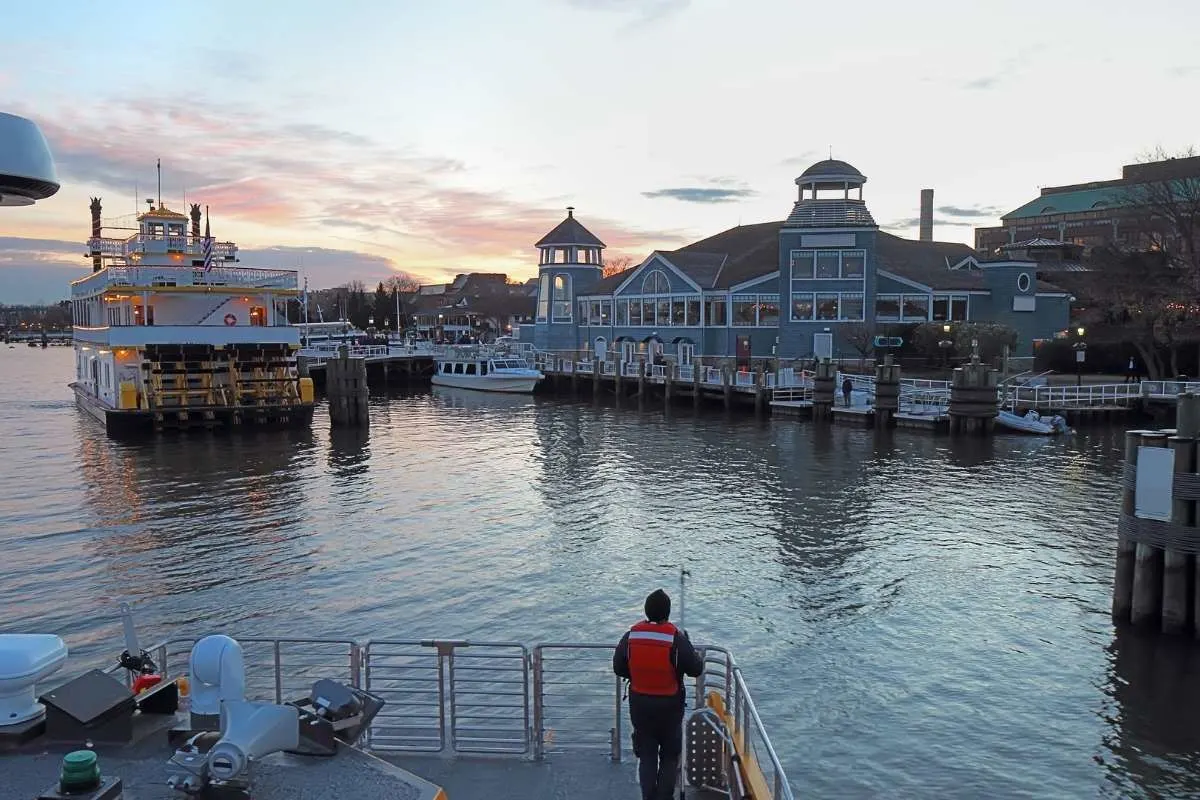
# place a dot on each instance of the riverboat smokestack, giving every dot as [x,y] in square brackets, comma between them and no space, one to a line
[196,220]
[97,261]
[926,234]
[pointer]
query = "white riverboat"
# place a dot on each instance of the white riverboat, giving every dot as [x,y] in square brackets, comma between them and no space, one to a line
[170,332]
[484,370]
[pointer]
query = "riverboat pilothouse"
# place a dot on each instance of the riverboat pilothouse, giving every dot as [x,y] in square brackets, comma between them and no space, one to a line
[170,332]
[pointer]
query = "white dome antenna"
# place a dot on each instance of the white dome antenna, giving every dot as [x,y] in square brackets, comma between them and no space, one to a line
[27,171]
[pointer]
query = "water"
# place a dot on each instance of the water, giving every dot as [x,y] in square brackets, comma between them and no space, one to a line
[916,616]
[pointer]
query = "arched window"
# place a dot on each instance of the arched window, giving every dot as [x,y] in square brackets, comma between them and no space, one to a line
[562,298]
[656,283]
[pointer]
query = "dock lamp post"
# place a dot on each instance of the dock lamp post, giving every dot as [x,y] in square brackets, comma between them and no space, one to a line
[1080,349]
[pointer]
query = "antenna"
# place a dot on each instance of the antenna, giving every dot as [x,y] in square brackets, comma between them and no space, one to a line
[160,183]
[831,152]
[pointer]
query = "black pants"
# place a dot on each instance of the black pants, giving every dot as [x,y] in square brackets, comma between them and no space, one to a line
[657,742]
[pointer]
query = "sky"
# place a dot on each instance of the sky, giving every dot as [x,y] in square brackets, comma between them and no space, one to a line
[352,140]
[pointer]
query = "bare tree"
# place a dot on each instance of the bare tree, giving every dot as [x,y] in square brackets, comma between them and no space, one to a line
[860,336]
[401,282]
[611,266]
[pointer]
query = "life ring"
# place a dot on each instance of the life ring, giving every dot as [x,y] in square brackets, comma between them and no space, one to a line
[230,319]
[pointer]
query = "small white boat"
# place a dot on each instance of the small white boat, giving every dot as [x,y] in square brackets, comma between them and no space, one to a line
[472,368]
[1033,422]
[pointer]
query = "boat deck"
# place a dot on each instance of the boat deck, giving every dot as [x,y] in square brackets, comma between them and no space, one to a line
[142,767]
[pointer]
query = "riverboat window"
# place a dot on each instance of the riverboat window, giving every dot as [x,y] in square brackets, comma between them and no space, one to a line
[562,298]
[447,368]
[827,306]
[483,368]
[693,311]
[635,312]
[471,368]
[114,315]
[715,313]
[622,312]
[802,306]
[258,316]
[458,369]
[802,264]
[656,283]
[543,309]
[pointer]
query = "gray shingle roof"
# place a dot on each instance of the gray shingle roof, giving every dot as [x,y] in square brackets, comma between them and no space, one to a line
[925,262]
[830,214]
[830,166]
[569,232]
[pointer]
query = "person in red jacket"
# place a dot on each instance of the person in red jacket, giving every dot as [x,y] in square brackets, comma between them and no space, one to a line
[654,656]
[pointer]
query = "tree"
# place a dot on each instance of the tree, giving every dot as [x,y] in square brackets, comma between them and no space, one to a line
[383,308]
[611,266]
[401,282]
[991,336]
[860,336]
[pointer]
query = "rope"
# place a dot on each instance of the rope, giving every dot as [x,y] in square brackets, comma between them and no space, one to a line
[1164,535]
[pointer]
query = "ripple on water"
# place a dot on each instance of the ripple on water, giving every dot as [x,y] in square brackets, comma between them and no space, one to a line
[917,616]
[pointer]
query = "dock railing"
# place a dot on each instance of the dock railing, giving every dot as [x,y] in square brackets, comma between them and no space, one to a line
[494,698]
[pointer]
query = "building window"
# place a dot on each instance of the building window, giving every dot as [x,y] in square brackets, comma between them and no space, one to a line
[744,310]
[827,306]
[543,309]
[916,307]
[678,314]
[583,312]
[854,264]
[949,308]
[768,311]
[851,306]
[562,298]
[594,313]
[635,312]
[959,309]
[802,264]
[605,312]
[656,283]
[1023,282]
[622,312]
[693,311]
[664,311]
[828,264]
[802,306]
[716,312]
[887,306]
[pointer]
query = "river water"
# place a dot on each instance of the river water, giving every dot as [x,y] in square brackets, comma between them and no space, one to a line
[917,616]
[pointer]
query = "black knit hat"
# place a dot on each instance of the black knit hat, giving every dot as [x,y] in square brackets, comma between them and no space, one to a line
[658,606]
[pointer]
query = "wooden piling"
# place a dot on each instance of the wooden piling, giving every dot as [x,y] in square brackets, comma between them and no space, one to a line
[727,385]
[824,390]
[641,392]
[1147,565]
[760,390]
[1122,603]
[346,386]
[887,393]
[697,369]
[1175,563]
[597,369]
[974,400]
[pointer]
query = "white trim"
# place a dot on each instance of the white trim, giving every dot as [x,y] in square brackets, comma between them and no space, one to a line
[802,229]
[1052,294]
[965,259]
[652,636]
[745,284]
[893,276]
[637,271]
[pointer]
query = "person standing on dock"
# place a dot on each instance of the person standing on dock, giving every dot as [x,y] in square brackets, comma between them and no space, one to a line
[1131,373]
[654,655]
[847,388]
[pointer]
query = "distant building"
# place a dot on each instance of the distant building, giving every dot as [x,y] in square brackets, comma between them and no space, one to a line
[1090,214]
[800,288]
[473,304]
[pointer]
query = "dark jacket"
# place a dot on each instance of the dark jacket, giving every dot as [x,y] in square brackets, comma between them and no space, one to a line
[683,655]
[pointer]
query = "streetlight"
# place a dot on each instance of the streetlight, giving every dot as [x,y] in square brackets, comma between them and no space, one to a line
[1080,349]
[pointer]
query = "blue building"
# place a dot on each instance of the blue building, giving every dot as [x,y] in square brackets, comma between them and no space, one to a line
[805,287]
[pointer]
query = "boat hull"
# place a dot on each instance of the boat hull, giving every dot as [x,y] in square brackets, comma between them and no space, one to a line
[121,422]
[509,384]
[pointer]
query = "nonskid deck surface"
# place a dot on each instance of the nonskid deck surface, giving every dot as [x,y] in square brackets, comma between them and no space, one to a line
[565,776]
[142,768]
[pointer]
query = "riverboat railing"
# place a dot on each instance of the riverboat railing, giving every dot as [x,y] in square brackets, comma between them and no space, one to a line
[495,698]
[150,278]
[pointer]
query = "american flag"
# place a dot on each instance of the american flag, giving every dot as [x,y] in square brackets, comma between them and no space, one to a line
[208,243]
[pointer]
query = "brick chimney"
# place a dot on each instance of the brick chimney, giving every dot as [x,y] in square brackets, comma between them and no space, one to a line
[926,234]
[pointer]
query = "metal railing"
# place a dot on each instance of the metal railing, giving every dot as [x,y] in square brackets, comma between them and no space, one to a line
[486,697]
[151,277]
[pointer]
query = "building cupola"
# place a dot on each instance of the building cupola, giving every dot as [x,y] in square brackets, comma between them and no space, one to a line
[831,196]
[570,243]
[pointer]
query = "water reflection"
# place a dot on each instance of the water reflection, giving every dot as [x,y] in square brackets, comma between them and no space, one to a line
[1155,739]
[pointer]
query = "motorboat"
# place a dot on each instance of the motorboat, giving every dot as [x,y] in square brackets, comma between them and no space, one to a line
[1033,422]
[484,370]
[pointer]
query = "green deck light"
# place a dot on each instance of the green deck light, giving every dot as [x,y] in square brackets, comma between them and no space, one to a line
[80,771]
